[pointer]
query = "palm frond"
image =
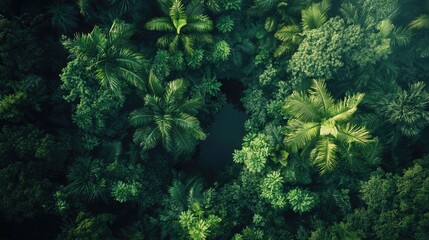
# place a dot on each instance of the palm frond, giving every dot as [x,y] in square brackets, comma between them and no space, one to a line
[111,151]
[284,48]
[401,36]
[316,15]
[301,133]
[188,44]
[141,117]
[178,15]
[288,33]
[199,24]
[343,110]
[300,106]
[190,124]
[123,5]
[420,22]
[160,24]
[164,124]
[147,137]
[63,16]
[154,85]
[353,134]
[321,95]
[351,13]
[183,141]
[120,31]
[175,89]
[108,79]
[174,44]
[191,106]
[324,154]
[166,40]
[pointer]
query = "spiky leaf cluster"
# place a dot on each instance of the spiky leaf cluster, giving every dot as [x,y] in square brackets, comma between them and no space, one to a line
[168,117]
[272,190]
[301,200]
[320,125]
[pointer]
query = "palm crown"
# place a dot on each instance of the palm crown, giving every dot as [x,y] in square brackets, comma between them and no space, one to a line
[167,117]
[321,124]
[110,54]
[182,27]
[292,35]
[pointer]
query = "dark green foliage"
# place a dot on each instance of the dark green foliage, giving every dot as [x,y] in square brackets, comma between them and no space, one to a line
[110,148]
[86,179]
[109,55]
[183,26]
[403,112]
[168,117]
[392,210]
[301,200]
[64,17]
[86,226]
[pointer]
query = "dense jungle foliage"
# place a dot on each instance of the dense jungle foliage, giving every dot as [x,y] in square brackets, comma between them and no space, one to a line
[105,107]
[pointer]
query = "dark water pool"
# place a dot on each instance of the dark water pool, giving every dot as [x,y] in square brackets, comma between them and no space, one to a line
[225,135]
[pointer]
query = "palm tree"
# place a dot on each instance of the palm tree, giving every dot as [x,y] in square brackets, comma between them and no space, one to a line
[182,26]
[63,16]
[292,35]
[181,196]
[404,111]
[321,126]
[86,180]
[110,55]
[167,117]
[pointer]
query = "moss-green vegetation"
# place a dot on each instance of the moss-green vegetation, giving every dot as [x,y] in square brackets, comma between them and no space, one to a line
[105,104]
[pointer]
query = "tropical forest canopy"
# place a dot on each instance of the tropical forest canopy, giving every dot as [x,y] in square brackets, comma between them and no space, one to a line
[106,107]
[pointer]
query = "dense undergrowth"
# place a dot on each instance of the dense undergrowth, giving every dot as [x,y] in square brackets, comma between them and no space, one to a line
[104,105]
